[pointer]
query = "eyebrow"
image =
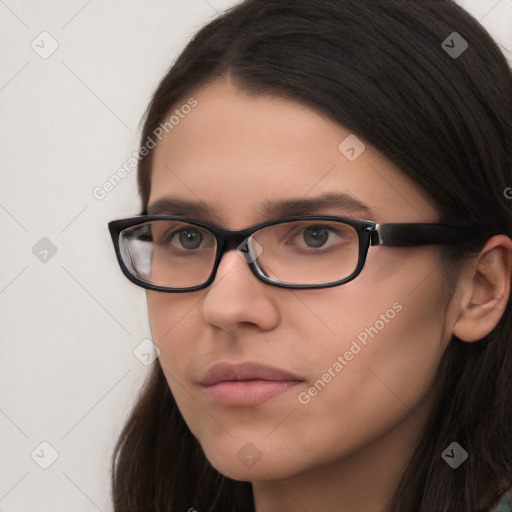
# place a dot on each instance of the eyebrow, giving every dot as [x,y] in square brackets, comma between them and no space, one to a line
[272,209]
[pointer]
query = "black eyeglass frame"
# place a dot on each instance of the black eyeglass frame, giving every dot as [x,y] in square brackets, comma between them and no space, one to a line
[369,233]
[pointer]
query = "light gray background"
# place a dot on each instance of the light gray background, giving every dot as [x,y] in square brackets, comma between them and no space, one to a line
[70,324]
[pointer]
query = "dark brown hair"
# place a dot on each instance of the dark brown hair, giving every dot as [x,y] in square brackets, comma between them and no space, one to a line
[378,68]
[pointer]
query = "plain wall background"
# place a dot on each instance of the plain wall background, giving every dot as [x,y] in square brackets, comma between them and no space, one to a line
[70,325]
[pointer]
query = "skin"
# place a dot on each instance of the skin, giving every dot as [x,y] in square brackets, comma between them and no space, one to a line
[347,447]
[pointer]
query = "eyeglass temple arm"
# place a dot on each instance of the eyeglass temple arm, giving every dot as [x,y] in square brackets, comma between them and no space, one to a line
[411,234]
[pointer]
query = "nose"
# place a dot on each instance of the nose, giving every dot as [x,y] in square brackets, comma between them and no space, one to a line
[237,297]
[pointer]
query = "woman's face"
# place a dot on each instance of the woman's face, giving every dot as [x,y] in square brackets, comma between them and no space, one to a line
[362,355]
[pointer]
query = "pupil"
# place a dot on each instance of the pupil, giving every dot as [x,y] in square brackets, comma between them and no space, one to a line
[318,234]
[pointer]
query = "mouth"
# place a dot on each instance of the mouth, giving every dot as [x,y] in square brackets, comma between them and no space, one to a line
[246,384]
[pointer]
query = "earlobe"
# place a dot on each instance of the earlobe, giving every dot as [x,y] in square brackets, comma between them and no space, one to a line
[486,290]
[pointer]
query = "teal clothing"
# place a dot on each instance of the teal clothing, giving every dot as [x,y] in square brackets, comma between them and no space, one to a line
[504,503]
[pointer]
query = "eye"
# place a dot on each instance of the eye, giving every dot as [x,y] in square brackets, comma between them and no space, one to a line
[318,235]
[188,238]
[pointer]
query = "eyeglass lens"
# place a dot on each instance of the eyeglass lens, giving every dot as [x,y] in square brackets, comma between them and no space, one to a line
[177,254]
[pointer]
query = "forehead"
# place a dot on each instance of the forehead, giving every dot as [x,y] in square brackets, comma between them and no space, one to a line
[239,154]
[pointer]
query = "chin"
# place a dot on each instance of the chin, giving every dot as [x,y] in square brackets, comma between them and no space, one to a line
[247,461]
[261,471]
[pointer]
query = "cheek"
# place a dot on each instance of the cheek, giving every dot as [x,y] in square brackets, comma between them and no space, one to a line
[390,350]
[169,312]
[396,322]
[173,321]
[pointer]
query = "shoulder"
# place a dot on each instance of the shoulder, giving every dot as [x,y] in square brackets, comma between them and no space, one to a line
[503,502]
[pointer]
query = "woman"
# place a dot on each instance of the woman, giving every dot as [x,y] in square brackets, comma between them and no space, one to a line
[353,352]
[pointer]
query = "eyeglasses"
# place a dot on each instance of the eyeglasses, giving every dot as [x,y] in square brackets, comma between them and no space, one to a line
[170,253]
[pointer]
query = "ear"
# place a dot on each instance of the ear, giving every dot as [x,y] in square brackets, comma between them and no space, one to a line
[485,290]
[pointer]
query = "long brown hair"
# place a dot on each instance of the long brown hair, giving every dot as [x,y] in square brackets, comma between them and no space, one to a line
[378,68]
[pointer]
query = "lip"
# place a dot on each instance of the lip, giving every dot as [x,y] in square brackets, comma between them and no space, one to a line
[246,384]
